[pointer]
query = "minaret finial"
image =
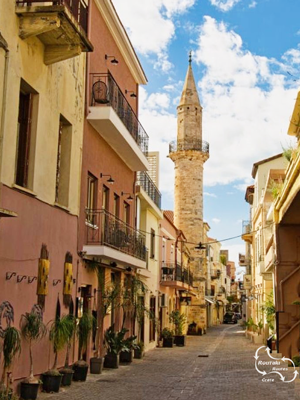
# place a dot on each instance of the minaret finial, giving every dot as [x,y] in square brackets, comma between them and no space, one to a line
[190,57]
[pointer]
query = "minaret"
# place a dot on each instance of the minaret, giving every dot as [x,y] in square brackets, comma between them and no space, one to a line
[189,154]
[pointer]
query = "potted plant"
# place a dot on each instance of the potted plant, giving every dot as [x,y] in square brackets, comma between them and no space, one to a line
[10,348]
[178,320]
[32,330]
[67,372]
[58,335]
[168,339]
[83,331]
[114,342]
[139,350]
[126,356]
[106,297]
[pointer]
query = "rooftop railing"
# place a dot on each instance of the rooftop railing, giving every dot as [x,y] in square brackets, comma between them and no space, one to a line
[106,229]
[79,8]
[189,144]
[106,92]
[144,180]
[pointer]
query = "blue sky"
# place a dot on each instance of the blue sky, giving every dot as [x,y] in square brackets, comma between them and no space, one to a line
[242,50]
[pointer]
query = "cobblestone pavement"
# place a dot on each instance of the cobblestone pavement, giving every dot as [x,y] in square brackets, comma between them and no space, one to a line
[179,373]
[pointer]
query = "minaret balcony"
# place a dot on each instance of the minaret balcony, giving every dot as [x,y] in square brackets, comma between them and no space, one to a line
[112,117]
[189,144]
[61,25]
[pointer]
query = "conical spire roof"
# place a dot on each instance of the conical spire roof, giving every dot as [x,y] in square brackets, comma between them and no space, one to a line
[189,93]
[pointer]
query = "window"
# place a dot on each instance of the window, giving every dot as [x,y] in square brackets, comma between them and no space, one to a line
[28,103]
[126,213]
[116,205]
[91,200]
[105,198]
[63,164]
[152,321]
[152,243]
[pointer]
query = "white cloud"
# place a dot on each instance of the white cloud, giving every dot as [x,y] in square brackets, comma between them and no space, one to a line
[253,4]
[209,194]
[244,103]
[224,5]
[292,56]
[216,220]
[151,25]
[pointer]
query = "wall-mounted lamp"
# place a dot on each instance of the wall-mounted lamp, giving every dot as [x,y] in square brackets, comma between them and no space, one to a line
[113,61]
[129,198]
[9,275]
[130,91]
[109,180]
[20,278]
[30,279]
[56,281]
[128,269]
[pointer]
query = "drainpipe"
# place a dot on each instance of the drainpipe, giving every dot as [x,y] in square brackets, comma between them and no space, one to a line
[4,46]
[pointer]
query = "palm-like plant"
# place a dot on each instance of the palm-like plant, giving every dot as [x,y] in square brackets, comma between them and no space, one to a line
[11,347]
[59,335]
[106,297]
[32,330]
[83,331]
[70,334]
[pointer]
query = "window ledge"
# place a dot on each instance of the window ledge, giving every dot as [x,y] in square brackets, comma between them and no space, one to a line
[62,207]
[25,190]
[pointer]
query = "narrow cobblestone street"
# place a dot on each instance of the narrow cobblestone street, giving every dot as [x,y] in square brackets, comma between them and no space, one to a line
[179,373]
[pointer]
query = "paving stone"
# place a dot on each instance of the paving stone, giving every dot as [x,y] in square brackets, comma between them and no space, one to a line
[174,374]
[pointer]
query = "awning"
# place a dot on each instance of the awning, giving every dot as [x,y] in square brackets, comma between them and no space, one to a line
[209,301]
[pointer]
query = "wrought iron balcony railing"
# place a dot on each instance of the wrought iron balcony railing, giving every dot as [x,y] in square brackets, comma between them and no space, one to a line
[189,144]
[106,229]
[79,8]
[246,227]
[106,92]
[174,272]
[144,180]
[215,273]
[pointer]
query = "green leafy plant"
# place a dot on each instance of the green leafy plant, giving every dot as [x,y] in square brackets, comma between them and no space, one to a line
[83,330]
[59,334]
[260,326]
[130,343]
[167,333]
[296,360]
[275,187]
[114,341]
[223,259]
[107,297]
[269,311]
[10,349]
[70,336]
[178,320]
[141,345]
[32,330]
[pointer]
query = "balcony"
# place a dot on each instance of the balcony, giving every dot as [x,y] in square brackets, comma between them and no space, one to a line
[109,237]
[215,273]
[173,275]
[243,260]
[113,118]
[61,25]
[189,144]
[247,234]
[144,180]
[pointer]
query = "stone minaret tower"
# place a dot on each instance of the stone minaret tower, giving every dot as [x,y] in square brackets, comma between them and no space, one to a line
[189,154]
